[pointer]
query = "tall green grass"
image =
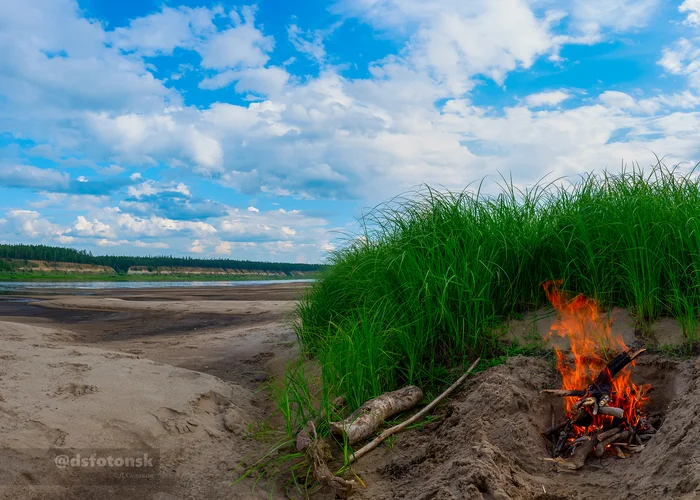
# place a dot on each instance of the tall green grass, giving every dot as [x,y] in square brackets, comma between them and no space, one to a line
[431,275]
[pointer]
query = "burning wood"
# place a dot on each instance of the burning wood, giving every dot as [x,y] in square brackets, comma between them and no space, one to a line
[604,407]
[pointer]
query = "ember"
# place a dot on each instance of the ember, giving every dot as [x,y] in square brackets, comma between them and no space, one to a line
[604,408]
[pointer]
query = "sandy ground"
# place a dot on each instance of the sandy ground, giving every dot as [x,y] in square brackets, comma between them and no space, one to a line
[138,370]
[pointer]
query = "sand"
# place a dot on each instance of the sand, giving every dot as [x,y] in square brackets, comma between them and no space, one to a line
[179,378]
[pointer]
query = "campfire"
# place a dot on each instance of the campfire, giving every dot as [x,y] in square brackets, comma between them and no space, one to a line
[604,408]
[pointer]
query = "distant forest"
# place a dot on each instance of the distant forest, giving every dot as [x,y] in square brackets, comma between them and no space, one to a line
[122,263]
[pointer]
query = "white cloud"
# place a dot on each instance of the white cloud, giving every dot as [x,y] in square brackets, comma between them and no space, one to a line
[223,248]
[197,247]
[262,81]
[151,187]
[30,224]
[94,228]
[547,99]
[161,32]
[692,9]
[592,17]
[683,58]
[242,46]
[308,42]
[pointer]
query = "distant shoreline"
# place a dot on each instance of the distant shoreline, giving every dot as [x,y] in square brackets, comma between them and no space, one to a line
[143,277]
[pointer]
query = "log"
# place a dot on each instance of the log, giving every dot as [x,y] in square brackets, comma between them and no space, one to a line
[603,382]
[612,411]
[605,435]
[564,392]
[393,430]
[600,447]
[579,457]
[368,417]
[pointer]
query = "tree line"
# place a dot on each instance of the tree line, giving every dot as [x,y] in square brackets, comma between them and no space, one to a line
[122,263]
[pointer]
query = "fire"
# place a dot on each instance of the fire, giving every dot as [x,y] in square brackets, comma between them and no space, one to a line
[593,345]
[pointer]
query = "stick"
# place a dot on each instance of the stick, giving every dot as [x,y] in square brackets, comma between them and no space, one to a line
[397,428]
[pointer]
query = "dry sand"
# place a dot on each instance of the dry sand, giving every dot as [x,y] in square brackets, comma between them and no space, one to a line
[175,377]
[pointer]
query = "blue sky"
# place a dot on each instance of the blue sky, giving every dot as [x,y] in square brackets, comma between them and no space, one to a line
[262,130]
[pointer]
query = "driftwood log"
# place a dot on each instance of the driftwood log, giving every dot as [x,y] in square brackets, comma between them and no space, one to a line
[368,417]
[398,428]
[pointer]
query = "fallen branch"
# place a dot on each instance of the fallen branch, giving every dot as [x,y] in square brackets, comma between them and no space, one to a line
[397,428]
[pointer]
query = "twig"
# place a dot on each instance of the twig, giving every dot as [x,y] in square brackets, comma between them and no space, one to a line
[397,428]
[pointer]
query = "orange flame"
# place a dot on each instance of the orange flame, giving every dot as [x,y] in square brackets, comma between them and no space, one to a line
[593,344]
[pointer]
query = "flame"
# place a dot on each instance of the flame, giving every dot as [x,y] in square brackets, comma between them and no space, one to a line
[593,344]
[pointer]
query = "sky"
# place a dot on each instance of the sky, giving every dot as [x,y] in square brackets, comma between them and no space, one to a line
[264,130]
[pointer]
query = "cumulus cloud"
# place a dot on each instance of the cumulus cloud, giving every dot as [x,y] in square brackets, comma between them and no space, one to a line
[692,10]
[161,32]
[30,224]
[241,46]
[547,99]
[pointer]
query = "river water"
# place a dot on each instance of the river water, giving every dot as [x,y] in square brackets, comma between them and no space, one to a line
[109,285]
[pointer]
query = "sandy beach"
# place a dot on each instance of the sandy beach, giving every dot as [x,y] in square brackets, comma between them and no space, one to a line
[176,372]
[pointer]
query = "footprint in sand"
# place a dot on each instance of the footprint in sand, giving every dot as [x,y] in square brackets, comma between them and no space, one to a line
[73,367]
[175,422]
[76,390]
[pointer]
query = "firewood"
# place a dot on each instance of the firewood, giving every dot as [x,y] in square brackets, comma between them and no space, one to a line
[397,428]
[563,392]
[605,435]
[612,411]
[368,417]
[600,447]
[579,457]
[603,382]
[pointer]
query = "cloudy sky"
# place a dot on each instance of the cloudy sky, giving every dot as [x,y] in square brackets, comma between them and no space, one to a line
[261,131]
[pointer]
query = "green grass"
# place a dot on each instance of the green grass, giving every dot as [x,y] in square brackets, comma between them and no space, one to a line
[432,275]
[24,276]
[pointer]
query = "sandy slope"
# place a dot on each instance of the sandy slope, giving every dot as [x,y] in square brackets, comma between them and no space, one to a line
[57,395]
